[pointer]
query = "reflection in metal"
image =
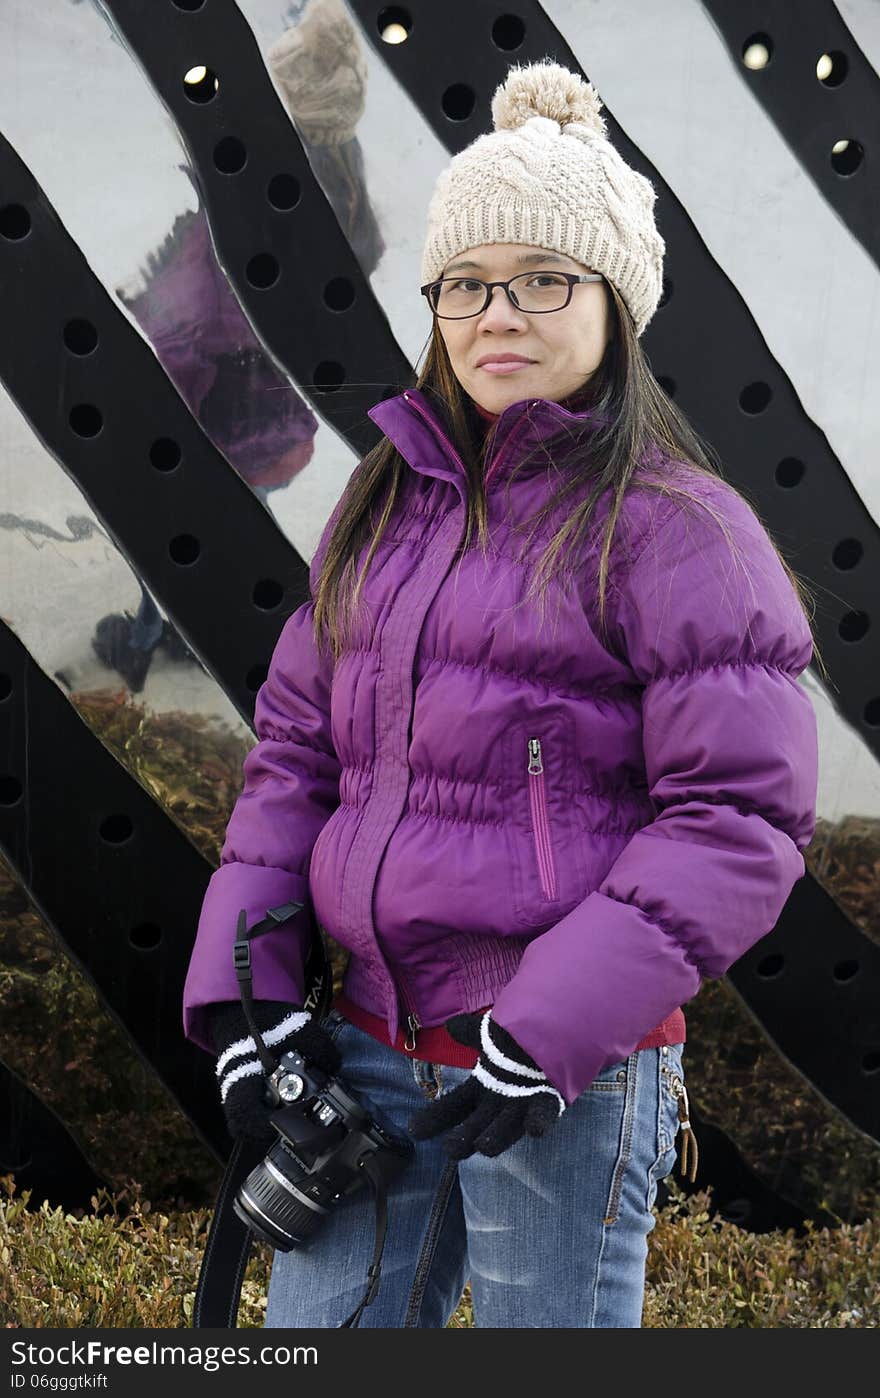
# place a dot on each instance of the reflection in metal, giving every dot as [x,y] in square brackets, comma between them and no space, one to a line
[205,344]
[828,111]
[397,154]
[809,285]
[61,571]
[160,265]
[108,869]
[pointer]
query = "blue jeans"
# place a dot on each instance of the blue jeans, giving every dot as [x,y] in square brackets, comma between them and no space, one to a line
[551,1233]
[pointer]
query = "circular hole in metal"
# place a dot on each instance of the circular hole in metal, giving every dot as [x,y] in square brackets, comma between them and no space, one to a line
[80,336]
[115,829]
[853,626]
[256,676]
[846,157]
[832,68]
[184,549]
[394,24]
[508,33]
[10,790]
[262,271]
[339,294]
[329,376]
[230,155]
[458,102]
[284,192]
[165,454]
[757,51]
[15,222]
[790,472]
[847,554]
[845,970]
[145,936]
[771,966]
[755,398]
[200,84]
[268,594]
[86,420]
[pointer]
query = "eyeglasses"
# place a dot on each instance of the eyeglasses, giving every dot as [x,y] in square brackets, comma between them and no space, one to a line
[457,298]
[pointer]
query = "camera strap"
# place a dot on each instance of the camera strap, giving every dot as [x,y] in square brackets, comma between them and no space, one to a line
[242,959]
[374,1174]
[228,1247]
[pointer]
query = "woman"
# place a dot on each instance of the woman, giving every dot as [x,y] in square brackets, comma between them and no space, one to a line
[539,782]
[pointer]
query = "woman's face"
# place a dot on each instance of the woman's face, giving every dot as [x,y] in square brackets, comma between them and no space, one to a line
[563,349]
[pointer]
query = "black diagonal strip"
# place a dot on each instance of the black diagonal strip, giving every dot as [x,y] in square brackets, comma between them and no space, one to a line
[814,983]
[42,1153]
[115,422]
[305,243]
[813,114]
[126,907]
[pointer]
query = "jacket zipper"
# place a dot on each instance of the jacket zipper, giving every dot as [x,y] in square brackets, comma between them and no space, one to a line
[438,431]
[499,452]
[540,823]
[413,1022]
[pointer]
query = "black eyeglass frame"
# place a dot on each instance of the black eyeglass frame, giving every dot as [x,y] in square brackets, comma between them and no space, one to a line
[573,279]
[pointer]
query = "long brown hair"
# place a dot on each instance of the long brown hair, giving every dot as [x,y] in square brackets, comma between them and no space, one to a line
[632,424]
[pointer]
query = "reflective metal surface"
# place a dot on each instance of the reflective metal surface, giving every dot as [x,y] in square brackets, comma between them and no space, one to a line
[121,185]
[369,145]
[61,580]
[810,286]
[81,113]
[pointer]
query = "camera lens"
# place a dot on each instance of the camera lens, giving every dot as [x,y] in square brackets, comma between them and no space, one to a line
[271,1203]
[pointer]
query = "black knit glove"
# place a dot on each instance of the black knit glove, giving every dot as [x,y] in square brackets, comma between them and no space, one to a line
[505,1097]
[240,1074]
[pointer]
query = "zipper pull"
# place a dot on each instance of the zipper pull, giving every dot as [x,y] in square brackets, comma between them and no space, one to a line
[535,763]
[689,1147]
[414,1027]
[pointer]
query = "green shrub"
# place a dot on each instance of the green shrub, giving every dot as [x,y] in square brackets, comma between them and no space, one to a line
[126,1266]
[705,1273]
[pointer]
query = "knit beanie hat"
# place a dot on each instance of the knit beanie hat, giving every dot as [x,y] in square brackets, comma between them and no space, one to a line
[547,176]
[319,65]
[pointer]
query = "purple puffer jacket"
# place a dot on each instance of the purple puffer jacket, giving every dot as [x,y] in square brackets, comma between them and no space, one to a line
[488,808]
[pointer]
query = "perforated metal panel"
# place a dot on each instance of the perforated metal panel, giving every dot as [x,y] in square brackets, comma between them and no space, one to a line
[211,220]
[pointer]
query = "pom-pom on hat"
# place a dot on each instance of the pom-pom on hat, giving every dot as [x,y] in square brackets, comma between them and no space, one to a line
[549,177]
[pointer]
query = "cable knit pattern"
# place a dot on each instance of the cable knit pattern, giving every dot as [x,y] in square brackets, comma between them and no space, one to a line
[548,176]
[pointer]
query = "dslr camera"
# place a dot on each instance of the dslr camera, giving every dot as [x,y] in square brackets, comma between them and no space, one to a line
[329,1143]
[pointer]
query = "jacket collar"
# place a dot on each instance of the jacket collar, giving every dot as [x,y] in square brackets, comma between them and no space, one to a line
[410,422]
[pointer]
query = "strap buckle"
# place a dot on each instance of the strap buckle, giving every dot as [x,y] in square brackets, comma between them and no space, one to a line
[241,960]
[373,1276]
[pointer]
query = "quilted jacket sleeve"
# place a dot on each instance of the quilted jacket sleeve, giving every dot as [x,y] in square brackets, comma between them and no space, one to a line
[291,788]
[714,632]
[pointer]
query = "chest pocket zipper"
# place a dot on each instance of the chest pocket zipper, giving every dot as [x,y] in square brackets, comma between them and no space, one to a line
[540,822]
